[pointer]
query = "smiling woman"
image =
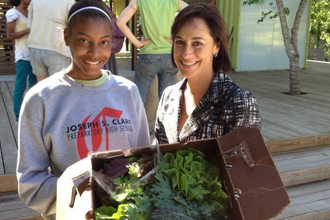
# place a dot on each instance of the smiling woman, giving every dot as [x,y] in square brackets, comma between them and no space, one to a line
[90,46]
[79,110]
[207,103]
[194,49]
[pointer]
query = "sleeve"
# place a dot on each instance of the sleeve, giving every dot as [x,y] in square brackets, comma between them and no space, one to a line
[242,111]
[30,15]
[11,16]
[143,128]
[36,186]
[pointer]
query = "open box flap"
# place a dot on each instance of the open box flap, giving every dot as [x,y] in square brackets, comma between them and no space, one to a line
[255,180]
[73,201]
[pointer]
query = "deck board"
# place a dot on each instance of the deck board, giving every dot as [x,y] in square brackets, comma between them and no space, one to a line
[310,201]
[315,153]
[11,207]
[8,88]
[8,144]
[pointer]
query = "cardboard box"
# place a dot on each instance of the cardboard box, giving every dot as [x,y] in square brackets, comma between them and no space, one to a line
[249,176]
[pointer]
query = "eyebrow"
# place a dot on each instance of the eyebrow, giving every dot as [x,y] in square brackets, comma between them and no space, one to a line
[194,38]
[81,33]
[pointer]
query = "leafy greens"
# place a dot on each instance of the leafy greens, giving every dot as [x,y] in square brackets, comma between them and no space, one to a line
[186,187]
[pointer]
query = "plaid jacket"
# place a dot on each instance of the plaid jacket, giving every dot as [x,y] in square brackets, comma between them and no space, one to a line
[224,107]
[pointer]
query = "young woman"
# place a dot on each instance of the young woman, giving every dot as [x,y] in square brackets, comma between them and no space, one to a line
[17,30]
[79,110]
[207,103]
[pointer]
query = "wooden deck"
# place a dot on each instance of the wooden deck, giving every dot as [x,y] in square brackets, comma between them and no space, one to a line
[8,130]
[285,116]
[303,161]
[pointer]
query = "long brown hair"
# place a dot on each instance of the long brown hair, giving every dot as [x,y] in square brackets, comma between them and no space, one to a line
[210,14]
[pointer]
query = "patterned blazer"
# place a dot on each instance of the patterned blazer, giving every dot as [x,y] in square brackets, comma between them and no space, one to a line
[224,108]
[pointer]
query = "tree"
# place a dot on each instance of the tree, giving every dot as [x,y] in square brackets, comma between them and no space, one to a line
[320,25]
[290,37]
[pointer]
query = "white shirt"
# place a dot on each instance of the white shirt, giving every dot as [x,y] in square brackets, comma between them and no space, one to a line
[47,20]
[21,44]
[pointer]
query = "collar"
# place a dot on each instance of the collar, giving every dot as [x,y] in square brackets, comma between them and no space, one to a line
[215,92]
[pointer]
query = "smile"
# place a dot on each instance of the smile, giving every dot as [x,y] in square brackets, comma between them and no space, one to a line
[92,63]
[189,64]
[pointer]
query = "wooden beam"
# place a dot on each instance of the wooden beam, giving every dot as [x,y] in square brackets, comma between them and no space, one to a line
[278,146]
[8,183]
[305,175]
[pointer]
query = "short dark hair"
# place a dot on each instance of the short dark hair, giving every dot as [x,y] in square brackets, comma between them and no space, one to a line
[15,2]
[87,13]
[212,17]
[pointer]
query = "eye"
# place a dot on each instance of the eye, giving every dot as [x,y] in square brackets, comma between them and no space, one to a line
[83,40]
[179,42]
[198,44]
[105,42]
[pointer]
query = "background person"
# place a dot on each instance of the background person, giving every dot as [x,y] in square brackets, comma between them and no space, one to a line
[17,30]
[206,103]
[79,110]
[156,19]
[48,52]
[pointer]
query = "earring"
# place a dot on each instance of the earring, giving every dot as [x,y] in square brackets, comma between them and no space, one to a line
[215,55]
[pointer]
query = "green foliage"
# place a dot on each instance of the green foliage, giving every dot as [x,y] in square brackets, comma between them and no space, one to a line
[272,13]
[169,214]
[194,184]
[250,2]
[186,187]
[104,212]
[320,25]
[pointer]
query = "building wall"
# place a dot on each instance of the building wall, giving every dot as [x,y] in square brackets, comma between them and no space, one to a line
[261,45]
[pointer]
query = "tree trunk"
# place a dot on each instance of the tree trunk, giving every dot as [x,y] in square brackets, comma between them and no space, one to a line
[290,43]
[294,76]
[318,35]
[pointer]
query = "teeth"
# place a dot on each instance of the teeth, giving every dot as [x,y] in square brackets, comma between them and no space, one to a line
[92,63]
[188,64]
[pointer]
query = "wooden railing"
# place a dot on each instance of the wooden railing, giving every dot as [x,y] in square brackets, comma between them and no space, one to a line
[7,66]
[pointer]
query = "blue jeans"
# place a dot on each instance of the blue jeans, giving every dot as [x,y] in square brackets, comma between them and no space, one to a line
[148,66]
[23,73]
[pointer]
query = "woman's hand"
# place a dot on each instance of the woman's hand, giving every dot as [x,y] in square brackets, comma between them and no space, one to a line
[143,42]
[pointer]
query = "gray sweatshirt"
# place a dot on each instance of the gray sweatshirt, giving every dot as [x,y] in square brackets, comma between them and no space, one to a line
[61,121]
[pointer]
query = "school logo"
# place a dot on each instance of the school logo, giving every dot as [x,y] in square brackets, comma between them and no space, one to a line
[91,133]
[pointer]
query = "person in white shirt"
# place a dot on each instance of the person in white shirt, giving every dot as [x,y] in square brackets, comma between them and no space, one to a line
[17,30]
